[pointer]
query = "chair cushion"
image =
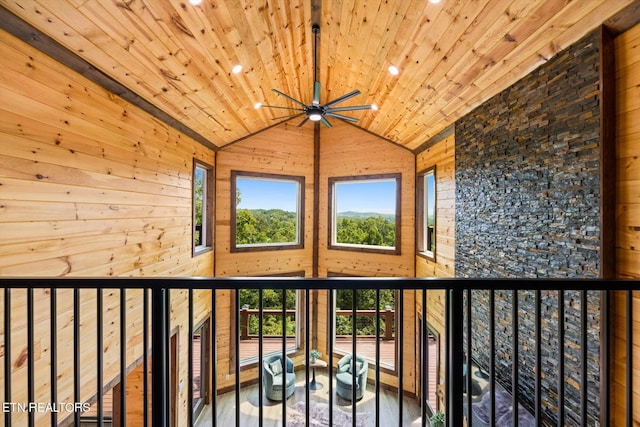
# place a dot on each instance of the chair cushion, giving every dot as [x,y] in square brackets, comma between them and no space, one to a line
[277,380]
[344,379]
[276,367]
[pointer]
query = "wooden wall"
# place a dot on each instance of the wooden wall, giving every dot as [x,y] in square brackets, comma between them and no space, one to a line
[284,149]
[441,155]
[627,47]
[90,186]
[346,150]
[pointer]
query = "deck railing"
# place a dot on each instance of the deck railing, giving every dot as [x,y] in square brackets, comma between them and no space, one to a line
[26,321]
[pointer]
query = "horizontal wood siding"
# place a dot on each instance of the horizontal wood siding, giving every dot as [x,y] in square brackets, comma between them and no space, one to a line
[347,150]
[90,186]
[627,47]
[442,156]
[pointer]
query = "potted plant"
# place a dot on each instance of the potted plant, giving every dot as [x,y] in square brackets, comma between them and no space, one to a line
[437,420]
[313,355]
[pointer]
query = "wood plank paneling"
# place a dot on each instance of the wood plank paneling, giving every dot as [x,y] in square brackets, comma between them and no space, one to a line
[627,51]
[91,186]
[452,56]
[346,150]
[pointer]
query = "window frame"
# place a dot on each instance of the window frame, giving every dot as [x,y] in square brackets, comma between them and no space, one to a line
[423,240]
[205,351]
[332,221]
[298,180]
[207,209]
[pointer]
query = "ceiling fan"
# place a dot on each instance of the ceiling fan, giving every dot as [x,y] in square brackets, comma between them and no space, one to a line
[316,111]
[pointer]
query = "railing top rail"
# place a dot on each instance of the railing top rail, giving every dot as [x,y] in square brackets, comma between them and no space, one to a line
[320,283]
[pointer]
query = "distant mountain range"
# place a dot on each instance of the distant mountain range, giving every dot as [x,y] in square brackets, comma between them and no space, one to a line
[363,215]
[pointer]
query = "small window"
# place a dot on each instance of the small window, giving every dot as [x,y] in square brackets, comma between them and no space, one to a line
[202,208]
[365,213]
[267,211]
[426,215]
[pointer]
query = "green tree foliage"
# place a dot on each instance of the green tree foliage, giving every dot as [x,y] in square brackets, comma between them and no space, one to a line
[255,226]
[271,300]
[199,198]
[365,300]
[373,231]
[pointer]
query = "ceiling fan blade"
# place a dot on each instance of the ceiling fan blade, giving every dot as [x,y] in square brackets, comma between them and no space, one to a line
[288,97]
[326,122]
[304,121]
[355,107]
[283,108]
[340,116]
[316,93]
[291,116]
[343,98]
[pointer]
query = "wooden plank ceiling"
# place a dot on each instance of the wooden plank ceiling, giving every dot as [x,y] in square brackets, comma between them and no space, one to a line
[452,56]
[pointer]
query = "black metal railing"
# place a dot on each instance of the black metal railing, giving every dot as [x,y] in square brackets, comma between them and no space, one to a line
[497,330]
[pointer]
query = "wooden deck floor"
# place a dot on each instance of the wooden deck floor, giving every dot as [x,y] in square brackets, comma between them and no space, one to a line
[272,411]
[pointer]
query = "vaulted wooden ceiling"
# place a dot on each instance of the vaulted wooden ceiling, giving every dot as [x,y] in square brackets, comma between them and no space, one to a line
[179,57]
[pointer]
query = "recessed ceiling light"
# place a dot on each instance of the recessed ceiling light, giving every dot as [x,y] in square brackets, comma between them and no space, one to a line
[393,70]
[434,1]
[195,2]
[374,107]
[236,69]
[257,105]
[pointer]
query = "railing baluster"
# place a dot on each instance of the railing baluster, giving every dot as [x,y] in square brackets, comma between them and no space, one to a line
[629,357]
[400,337]
[538,350]
[190,350]
[377,413]
[515,342]
[160,388]
[123,358]
[561,358]
[214,360]
[353,356]
[260,358]
[331,322]
[492,357]
[30,356]
[584,386]
[76,352]
[236,341]
[7,353]
[425,360]
[284,357]
[454,369]
[468,350]
[53,335]
[307,340]
[145,355]
[99,354]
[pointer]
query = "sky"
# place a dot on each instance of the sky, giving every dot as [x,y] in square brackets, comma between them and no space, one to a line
[372,196]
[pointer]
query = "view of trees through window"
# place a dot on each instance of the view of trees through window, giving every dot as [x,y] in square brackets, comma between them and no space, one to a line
[271,303]
[267,210]
[364,212]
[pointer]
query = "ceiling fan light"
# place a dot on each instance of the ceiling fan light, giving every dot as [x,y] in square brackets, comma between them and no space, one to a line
[374,107]
[315,117]
[257,105]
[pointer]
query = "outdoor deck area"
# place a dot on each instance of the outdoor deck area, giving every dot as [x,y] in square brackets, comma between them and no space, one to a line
[365,346]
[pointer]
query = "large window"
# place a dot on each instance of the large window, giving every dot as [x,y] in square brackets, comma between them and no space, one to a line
[365,213]
[267,211]
[365,324]
[202,207]
[426,213]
